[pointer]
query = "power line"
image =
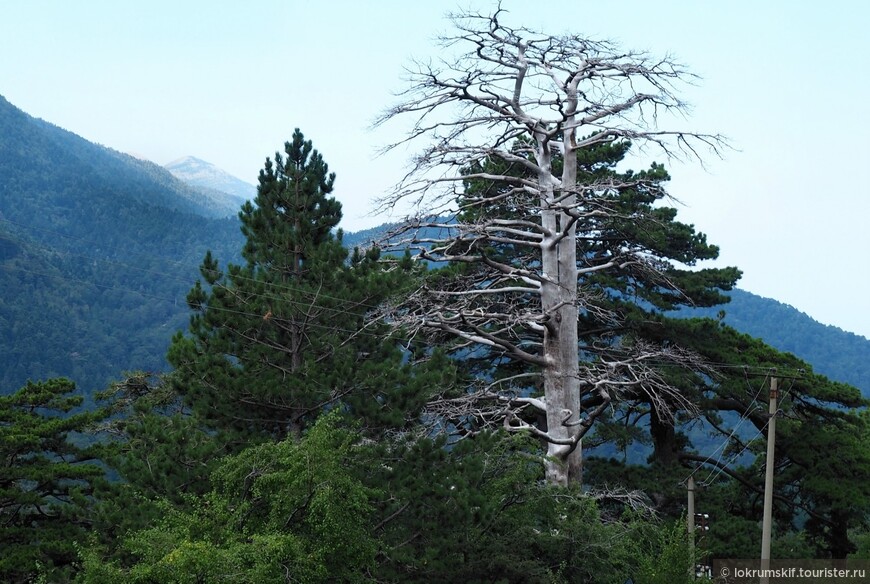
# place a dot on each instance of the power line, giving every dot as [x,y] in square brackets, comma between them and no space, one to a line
[720,469]
[753,406]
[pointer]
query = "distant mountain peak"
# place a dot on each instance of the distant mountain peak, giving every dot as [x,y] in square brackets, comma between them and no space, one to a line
[190,162]
[200,173]
[31,148]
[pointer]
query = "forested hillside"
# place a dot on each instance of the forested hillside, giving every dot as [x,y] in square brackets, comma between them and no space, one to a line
[833,352]
[97,251]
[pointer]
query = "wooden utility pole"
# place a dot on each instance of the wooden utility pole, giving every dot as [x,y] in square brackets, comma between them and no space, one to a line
[690,486]
[768,480]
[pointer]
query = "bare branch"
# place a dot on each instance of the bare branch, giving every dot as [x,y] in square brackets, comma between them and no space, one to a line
[505,118]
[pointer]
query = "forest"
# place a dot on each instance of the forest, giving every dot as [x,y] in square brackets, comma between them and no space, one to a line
[514,385]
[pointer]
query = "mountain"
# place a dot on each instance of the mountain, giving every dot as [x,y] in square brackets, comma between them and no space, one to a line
[233,192]
[28,145]
[833,352]
[97,252]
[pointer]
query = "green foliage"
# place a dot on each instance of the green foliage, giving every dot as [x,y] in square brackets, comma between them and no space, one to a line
[824,465]
[862,545]
[155,444]
[46,480]
[478,511]
[664,555]
[330,508]
[457,514]
[276,341]
[157,452]
[96,250]
[278,510]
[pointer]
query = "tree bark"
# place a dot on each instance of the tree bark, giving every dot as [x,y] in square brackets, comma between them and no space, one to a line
[519,98]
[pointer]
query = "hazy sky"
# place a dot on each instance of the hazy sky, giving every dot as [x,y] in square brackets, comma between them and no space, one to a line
[227,81]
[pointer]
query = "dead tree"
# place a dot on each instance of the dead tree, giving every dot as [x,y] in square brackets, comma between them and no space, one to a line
[519,99]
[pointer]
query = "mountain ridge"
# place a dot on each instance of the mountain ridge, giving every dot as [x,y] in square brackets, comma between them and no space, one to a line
[98,251]
[199,173]
[28,144]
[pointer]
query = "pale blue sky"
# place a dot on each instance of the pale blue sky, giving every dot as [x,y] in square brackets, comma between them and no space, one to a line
[787,81]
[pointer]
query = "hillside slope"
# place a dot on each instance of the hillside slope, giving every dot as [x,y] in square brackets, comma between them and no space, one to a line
[833,352]
[97,252]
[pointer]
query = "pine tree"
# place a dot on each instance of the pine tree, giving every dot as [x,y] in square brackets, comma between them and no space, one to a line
[618,303]
[278,340]
[511,84]
[46,480]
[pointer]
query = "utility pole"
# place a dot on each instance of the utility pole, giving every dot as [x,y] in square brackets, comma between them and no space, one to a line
[690,517]
[768,480]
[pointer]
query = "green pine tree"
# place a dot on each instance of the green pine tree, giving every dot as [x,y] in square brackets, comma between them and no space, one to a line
[46,481]
[275,342]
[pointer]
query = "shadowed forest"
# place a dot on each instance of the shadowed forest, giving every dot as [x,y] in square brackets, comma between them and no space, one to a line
[513,385]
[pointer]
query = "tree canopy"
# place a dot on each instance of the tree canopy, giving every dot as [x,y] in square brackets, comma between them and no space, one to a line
[47,479]
[275,342]
[418,414]
[543,119]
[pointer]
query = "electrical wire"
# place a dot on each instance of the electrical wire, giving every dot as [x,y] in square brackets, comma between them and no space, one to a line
[723,445]
[719,470]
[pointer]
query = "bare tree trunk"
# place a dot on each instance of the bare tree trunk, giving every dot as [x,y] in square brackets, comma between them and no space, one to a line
[518,98]
[556,390]
[568,277]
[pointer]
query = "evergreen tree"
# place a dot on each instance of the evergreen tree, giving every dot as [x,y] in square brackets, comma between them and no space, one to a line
[619,303]
[279,339]
[46,480]
[293,509]
[156,449]
[725,445]
[513,84]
